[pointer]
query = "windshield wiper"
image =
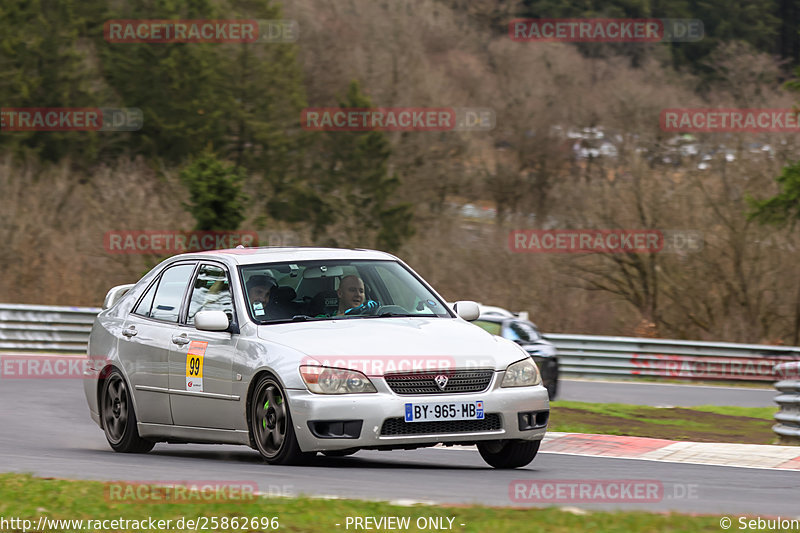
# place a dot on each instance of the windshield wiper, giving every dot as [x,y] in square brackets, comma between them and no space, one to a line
[391,313]
[295,318]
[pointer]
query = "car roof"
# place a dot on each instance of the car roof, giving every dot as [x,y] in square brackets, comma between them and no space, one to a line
[274,254]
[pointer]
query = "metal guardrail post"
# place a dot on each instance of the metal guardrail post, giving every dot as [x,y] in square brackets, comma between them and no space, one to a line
[788,418]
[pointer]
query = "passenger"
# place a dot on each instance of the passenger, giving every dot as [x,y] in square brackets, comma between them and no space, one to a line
[258,289]
[351,297]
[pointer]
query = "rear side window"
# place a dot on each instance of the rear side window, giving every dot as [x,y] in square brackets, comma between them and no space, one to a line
[143,309]
[169,294]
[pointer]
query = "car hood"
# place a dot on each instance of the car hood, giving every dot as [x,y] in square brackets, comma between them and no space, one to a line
[395,344]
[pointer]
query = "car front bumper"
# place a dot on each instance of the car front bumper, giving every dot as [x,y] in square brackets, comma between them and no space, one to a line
[374,409]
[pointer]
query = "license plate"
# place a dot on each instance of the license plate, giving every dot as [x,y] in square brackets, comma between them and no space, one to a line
[426,412]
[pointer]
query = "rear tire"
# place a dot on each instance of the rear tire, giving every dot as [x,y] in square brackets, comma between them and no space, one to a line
[271,425]
[505,454]
[119,417]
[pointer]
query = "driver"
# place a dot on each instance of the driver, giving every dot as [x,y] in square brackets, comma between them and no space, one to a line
[258,289]
[351,297]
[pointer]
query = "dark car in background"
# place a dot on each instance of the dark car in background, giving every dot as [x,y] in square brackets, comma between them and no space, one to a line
[526,334]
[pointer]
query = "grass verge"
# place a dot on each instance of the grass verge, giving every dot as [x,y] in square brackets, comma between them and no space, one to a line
[27,497]
[747,425]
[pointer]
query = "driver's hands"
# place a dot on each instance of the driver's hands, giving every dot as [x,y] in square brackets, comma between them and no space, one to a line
[370,306]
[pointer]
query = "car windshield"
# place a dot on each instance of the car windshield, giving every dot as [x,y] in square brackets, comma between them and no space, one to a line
[324,290]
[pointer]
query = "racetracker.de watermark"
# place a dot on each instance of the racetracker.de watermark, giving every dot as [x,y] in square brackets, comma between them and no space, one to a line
[752,120]
[200,31]
[704,367]
[788,371]
[175,242]
[50,366]
[598,30]
[186,491]
[598,491]
[380,365]
[397,119]
[613,241]
[70,119]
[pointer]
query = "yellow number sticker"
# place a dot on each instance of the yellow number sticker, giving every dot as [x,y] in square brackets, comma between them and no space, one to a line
[194,365]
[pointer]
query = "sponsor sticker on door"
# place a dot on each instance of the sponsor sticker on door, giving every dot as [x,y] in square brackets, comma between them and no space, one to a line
[194,365]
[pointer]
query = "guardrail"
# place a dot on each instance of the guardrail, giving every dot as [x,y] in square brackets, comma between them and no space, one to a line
[601,356]
[788,418]
[66,329]
[45,328]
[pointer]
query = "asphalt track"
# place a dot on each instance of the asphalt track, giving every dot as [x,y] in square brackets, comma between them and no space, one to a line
[45,430]
[664,394]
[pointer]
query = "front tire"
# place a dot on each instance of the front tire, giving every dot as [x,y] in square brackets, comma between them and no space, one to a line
[505,454]
[271,424]
[119,417]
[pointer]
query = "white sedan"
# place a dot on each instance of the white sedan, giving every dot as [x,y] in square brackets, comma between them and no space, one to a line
[294,351]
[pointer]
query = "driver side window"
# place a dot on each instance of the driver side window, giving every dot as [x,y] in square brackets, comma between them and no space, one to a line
[211,292]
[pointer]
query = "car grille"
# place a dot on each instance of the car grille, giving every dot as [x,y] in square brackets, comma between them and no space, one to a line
[398,426]
[425,382]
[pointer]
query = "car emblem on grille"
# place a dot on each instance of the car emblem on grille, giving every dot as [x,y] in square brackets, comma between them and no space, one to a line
[441,381]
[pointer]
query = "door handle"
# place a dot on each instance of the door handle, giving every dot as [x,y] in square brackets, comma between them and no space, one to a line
[130,331]
[181,340]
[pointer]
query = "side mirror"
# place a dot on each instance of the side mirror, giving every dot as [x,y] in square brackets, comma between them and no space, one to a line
[114,295]
[467,310]
[211,321]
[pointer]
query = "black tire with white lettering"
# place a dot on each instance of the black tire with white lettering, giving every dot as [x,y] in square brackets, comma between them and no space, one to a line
[119,417]
[506,454]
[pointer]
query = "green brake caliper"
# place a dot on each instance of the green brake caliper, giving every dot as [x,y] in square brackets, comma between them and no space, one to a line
[266,406]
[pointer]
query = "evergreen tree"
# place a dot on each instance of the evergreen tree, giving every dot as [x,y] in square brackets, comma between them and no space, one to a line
[41,66]
[784,207]
[347,196]
[215,192]
[361,187]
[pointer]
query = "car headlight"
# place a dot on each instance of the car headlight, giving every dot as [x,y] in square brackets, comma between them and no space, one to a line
[327,380]
[522,374]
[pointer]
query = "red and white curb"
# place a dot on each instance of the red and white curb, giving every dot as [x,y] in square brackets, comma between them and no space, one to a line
[706,453]
[670,451]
